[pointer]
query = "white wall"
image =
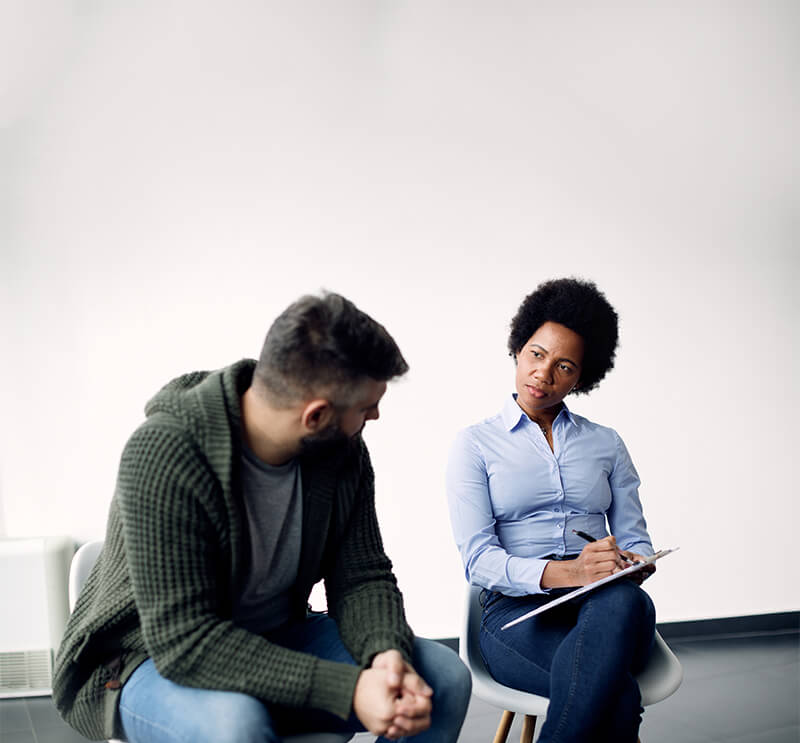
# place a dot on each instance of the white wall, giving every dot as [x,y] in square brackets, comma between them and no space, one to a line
[174,174]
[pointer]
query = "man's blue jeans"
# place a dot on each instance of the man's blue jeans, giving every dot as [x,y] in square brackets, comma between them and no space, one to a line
[155,710]
[582,655]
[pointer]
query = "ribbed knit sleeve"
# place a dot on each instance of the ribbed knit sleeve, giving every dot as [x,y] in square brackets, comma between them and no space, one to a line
[362,591]
[177,547]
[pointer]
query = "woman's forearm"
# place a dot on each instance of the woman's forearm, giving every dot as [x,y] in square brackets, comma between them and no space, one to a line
[559,574]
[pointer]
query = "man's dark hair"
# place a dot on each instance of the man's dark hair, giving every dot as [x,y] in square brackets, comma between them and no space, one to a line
[325,345]
[584,309]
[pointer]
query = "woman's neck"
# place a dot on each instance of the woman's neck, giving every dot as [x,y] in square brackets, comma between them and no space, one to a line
[545,416]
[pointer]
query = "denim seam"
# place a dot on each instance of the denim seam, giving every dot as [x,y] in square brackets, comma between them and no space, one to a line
[574,676]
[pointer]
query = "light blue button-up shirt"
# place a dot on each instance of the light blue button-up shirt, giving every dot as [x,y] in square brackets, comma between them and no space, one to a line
[514,501]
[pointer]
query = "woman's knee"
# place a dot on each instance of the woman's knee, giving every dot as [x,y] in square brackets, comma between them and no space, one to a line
[628,613]
[645,611]
[627,601]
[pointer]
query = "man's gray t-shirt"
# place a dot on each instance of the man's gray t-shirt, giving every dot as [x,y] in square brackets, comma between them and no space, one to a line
[274,505]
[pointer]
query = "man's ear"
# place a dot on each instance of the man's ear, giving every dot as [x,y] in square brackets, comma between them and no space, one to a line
[317,415]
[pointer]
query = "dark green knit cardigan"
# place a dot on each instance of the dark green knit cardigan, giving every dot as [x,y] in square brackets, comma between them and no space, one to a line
[164,584]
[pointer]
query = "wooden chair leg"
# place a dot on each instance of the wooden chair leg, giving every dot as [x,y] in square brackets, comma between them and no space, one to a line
[505,725]
[528,728]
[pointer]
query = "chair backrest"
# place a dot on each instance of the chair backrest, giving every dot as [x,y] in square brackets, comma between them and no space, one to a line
[483,685]
[470,627]
[80,567]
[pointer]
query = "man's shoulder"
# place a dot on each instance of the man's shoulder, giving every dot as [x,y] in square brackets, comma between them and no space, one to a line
[201,398]
[164,448]
[178,447]
[196,415]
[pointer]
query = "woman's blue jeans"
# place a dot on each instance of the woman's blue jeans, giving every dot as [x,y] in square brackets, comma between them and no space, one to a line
[155,710]
[583,655]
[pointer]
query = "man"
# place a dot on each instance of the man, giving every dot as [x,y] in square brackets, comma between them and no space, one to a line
[243,488]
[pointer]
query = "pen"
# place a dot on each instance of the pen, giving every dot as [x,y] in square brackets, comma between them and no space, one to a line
[590,538]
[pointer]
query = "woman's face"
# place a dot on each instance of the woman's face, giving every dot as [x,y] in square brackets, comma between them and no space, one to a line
[548,367]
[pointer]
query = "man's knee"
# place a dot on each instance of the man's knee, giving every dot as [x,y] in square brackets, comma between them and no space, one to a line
[443,670]
[459,679]
[234,718]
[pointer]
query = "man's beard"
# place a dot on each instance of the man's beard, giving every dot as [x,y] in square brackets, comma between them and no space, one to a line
[324,442]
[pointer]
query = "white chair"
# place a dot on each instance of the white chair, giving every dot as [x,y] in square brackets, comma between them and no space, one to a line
[661,677]
[79,570]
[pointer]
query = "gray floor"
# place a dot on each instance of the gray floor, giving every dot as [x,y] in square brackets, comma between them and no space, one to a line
[735,690]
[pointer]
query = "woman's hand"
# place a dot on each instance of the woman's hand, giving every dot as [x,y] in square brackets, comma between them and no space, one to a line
[597,560]
[640,575]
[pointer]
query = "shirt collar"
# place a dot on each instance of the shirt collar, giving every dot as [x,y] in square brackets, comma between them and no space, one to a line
[512,413]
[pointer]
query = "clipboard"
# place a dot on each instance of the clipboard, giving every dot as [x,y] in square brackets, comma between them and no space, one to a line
[591,586]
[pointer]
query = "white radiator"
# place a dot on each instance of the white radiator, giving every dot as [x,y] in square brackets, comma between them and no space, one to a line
[33,611]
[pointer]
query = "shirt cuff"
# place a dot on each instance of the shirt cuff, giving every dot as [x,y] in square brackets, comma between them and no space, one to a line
[645,549]
[525,575]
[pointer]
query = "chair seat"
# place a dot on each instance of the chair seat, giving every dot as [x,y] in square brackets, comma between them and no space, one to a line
[662,676]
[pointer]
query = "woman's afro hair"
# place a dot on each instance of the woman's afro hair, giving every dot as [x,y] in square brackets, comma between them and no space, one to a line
[583,308]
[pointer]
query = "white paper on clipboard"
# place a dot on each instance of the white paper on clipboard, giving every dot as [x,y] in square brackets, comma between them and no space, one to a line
[591,586]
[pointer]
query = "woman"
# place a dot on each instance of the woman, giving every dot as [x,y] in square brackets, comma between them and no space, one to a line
[519,486]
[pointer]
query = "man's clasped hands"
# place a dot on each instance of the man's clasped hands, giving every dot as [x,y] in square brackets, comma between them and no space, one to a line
[391,699]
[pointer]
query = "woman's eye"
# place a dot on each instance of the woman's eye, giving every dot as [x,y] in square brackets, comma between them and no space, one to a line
[565,368]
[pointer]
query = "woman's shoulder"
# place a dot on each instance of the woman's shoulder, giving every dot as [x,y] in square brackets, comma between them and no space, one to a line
[479,430]
[477,436]
[592,428]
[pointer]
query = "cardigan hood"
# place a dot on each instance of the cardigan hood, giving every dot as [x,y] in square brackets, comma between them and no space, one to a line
[206,406]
